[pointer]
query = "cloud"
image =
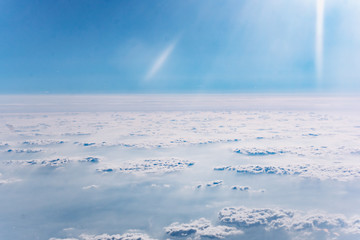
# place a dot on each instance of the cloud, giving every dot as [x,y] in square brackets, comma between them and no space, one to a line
[55,162]
[211,184]
[9,180]
[236,221]
[63,239]
[258,152]
[130,235]
[241,188]
[297,223]
[90,187]
[158,166]
[126,236]
[160,61]
[315,171]
[201,228]
[246,217]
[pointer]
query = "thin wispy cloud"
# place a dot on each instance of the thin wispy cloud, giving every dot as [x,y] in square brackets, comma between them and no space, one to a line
[160,61]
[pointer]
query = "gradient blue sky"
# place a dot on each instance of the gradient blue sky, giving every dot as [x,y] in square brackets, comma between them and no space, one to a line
[98,46]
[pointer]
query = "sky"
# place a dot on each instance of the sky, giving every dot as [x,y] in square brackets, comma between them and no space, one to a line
[179,46]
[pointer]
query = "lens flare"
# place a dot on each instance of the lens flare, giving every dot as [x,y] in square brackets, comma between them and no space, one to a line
[159,62]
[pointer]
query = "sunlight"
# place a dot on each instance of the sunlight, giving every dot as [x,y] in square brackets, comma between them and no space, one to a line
[319,42]
[160,60]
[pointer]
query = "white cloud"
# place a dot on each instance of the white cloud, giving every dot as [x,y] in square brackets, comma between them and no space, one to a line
[90,187]
[159,166]
[215,183]
[10,180]
[63,239]
[297,223]
[201,228]
[316,171]
[130,235]
[55,162]
[246,217]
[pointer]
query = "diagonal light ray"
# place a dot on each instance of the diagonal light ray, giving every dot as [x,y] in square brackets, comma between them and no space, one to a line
[160,61]
[319,42]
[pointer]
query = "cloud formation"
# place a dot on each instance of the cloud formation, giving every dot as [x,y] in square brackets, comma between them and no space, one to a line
[201,228]
[130,235]
[315,171]
[297,223]
[158,166]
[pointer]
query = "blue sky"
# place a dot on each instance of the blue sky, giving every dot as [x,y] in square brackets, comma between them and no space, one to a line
[134,46]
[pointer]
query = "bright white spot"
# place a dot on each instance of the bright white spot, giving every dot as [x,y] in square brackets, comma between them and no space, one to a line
[90,187]
[319,42]
[160,60]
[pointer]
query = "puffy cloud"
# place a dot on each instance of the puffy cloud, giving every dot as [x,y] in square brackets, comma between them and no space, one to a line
[294,222]
[258,152]
[234,221]
[215,183]
[241,188]
[317,171]
[42,142]
[130,235]
[125,236]
[245,217]
[56,162]
[24,151]
[63,239]
[149,166]
[297,150]
[201,228]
